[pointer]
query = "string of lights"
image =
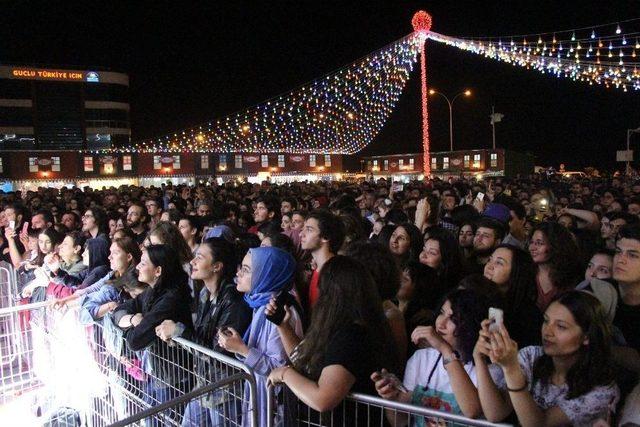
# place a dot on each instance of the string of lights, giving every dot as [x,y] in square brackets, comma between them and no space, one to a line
[342,112]
[604,55]
[339,113]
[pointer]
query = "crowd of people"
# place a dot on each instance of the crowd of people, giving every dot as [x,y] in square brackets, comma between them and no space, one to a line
[514,300]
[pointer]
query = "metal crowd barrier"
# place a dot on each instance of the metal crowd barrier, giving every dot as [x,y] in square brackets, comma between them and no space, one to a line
[360,410]
[72,374]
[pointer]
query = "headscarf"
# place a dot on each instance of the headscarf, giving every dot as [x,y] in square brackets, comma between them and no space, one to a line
[272,271]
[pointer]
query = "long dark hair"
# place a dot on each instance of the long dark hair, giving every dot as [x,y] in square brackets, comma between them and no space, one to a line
[452,267]
[427,291]
[564,257]
[470,307]
[173,276]
[224,252]
[416,243]
[347,297]
[593,366]
[521,287]
[170,235]
[101,219]
[381,265]
[130,247]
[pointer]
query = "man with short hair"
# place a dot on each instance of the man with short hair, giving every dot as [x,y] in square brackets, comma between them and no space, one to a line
[322,235]
[517,235]
[71,220]
[288,205]
[42,220]
[626,271]
[154,210]
[204,209]
[633,207]
[489,235]
[137,219]
[266,210]
[611,223]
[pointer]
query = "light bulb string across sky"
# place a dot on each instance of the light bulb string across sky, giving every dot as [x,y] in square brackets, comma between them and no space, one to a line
[342,112]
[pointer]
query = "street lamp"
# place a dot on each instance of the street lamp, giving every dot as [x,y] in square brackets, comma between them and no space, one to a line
[466,92]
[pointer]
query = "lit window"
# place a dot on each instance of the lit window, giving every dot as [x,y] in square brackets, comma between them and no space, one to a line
[1,166]
[156,162]
[238,161]
[312,160]
[223,162]
[264,161]
[33,164]
[494,160]
[55,164]
[327,160]
[445,163]
[204,161]
[176,162]
[386,164]
[401,163]
[88,164]
[280,160]
[467,160]
[476,160]
[412,163]
[375,163]
[126,163]
[434,163]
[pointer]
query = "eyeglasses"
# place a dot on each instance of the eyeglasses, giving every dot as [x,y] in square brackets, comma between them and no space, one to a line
[85,216]
[243,270]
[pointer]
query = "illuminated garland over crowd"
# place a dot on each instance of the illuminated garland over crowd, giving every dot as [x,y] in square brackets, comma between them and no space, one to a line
[604,55]
[340,113]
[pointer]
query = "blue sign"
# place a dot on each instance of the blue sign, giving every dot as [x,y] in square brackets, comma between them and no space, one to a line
[93,77]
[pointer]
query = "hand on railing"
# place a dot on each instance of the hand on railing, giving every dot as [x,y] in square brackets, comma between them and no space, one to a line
[276,376]
[166,330]
[390,387]
[230,340]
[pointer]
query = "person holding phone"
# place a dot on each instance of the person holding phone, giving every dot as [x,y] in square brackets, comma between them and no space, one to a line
[567,381]
[348,338]
[264,272]
[442,376]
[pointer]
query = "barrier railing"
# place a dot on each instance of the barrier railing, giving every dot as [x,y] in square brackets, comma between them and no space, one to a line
[86,374]
[360,410]
[55,370]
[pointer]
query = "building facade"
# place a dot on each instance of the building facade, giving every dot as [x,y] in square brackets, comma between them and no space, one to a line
[23,170]
[60,109]
[485,162]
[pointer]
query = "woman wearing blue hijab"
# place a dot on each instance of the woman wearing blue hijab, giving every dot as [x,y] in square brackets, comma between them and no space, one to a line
[264,272]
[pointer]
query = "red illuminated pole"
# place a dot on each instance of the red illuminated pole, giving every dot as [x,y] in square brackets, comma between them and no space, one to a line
[421,23]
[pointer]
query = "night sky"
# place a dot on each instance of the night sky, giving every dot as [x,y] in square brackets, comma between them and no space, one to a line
[194,61]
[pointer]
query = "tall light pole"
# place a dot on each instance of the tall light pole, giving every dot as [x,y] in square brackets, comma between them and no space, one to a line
[467,92]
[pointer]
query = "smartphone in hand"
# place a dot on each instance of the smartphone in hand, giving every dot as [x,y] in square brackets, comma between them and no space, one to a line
[281,300]
[496,316]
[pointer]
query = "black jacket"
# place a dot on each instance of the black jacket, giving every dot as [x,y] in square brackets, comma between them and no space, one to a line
[169,364]
[229,309]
